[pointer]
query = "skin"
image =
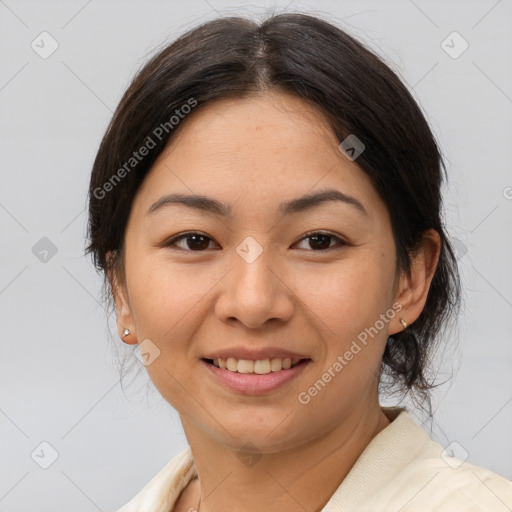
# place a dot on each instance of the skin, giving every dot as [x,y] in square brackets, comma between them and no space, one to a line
[253,154]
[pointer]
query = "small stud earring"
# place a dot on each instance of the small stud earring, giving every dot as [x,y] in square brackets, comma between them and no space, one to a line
[404,323]
[126,332]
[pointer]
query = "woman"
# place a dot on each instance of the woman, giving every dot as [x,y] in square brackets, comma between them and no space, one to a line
[265,206]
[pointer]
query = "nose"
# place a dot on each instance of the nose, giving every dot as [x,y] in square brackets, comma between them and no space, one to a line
[253,293]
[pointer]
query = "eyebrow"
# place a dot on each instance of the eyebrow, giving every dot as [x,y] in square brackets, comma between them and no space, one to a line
[212,206]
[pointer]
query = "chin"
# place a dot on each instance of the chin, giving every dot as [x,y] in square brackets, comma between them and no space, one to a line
[270,438]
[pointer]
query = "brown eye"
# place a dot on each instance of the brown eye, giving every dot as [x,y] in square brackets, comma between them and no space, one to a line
[321,241]
[195,242]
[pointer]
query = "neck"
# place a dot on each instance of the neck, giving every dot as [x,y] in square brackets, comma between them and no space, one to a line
[302,478]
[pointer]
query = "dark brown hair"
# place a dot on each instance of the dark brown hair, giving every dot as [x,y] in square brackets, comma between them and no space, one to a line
[359,94]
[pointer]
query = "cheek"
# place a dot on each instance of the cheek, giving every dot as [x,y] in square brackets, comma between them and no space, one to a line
[348,296]
[165,295]
[169,302]
[347,301]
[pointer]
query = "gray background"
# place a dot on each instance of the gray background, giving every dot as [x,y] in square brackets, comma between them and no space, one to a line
[58,373]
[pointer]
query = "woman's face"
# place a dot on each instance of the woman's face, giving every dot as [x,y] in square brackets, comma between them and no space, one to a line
[255,280]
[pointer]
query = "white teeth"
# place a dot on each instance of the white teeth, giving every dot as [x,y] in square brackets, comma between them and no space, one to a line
[245,366]
[276,364]
[231,364]
[260,366]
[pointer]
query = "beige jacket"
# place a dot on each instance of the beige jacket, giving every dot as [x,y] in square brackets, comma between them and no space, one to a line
[401,470]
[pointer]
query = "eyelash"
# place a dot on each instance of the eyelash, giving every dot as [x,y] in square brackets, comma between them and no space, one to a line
[172,242]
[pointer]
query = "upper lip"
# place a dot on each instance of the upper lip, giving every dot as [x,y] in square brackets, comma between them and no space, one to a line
[254,354]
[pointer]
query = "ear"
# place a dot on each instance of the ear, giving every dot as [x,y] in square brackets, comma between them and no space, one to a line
[123,310]
[412,289]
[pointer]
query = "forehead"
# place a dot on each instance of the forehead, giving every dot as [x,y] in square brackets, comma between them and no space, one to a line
[266,126]
[264,148]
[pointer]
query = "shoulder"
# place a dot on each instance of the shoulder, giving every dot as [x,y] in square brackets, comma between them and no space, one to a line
[433,480]
[439,482]
[457,482]
[403,469]
[161,493]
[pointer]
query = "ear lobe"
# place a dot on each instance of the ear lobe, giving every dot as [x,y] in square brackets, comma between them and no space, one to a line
[414,286]
[123,311]
[124,320]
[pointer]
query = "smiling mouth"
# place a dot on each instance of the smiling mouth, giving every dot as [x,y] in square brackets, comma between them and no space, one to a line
[259,367]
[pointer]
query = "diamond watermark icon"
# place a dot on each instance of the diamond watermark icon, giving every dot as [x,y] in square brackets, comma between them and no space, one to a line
[459,247]
[454,45]
[146,352]
[44,250]
[44,45]
[249,454]
[351,147]
[249,249]
[454,455]
[44,455]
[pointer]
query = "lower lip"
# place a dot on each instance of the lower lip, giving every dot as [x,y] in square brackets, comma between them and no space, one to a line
[253,383]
